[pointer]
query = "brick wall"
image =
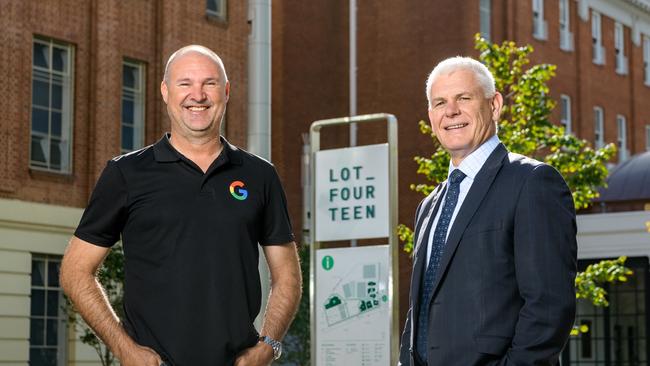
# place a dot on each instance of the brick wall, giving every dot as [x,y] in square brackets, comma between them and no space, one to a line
[103,34]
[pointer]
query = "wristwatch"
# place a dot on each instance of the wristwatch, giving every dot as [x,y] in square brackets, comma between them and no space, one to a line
[276,345]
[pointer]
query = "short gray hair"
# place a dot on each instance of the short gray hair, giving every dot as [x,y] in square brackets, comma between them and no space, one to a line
[482,74]
[194,48]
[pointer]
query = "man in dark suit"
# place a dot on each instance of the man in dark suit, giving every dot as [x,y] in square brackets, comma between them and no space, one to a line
[495,244]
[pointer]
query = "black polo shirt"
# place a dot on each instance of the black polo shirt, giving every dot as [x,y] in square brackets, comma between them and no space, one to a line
[192,288]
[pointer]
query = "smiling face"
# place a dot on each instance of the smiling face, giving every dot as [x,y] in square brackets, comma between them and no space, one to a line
[461,117]
[196,92]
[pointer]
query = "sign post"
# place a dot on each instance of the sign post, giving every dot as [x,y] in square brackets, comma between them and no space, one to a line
[353,290]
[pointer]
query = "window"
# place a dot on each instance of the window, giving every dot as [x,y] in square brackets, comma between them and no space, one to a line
[51,109]
[622,138]
[565,119]
[646,59]
[597,39]
[132,106]
[566,37]
[619,46]
[647,137]
[540,28]
[618,333]
[599,132]
[216,9]
[485,8]
[47,329]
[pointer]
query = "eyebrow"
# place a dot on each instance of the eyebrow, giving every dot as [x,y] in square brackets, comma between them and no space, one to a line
[455,96]
[204,80]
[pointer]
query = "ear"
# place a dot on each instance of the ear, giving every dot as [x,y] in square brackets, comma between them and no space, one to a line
[496,104]
[164,91]
[227,90]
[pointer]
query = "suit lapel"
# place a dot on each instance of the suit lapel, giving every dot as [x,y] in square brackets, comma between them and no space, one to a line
[428,213]
[472,201]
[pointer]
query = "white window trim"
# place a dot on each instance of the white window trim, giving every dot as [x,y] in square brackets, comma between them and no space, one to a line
[597,39]
[565,117]
[139,95]
[485,21]
[599,127]
[647,137]
[62,331]
[221,16]
[566,37]
[67,107]
[540,26]
[646,59]
[619,49]
[621,126]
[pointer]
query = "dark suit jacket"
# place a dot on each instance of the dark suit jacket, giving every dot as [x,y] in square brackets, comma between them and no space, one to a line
[504,294]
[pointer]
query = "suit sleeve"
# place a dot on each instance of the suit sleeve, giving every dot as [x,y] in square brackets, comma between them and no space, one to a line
[405,342]
[545,264]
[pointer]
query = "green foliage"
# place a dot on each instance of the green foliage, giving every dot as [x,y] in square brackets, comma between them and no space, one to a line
[589,283]
[524,128]
[111,278]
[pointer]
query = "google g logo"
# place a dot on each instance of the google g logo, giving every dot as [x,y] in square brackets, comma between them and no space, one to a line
[237,190]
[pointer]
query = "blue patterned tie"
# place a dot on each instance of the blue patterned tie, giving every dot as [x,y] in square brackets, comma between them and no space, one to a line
[437,250]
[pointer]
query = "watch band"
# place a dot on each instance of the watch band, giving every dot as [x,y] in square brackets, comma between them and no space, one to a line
[276,345]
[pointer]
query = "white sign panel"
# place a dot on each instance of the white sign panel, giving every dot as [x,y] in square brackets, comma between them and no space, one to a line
[352,193]
[352,312]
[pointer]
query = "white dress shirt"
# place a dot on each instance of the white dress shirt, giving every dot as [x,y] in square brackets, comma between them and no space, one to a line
[470,166]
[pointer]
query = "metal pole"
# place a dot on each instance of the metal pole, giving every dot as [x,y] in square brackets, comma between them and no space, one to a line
[259,105]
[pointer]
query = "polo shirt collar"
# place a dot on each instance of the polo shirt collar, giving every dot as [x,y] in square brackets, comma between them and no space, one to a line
[164,151]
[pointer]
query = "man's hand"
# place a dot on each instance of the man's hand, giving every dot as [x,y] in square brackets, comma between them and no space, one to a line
[259,355]
[140,356]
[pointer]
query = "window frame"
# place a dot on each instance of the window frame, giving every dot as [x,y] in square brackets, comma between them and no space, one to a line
[598,50]
[565,113]
[485,18]
[647,137]
[619,48]
[138,94]
[646,59]
[621,127]
[566,37]
[599,127]
[66,82]
[540,27]
[61,317]
[221,16]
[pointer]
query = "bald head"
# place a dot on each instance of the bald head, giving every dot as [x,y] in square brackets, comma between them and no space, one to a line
[194,49]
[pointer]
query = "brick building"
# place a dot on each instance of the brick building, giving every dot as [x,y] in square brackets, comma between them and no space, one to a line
[80,85]
[601,48]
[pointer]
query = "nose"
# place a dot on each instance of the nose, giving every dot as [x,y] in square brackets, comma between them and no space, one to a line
[451,109]
[197,93]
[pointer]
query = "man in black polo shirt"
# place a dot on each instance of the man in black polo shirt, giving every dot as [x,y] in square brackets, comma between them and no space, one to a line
[190,211]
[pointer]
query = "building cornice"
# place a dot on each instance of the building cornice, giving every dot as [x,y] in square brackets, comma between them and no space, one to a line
[634,14]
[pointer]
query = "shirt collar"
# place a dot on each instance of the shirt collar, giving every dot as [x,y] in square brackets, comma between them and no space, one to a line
[165,152]
[474,161]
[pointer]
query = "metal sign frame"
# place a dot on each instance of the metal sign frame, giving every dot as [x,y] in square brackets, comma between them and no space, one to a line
[393,260]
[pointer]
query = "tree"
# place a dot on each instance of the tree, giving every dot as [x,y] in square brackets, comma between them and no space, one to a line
[525,128]
[111,277]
